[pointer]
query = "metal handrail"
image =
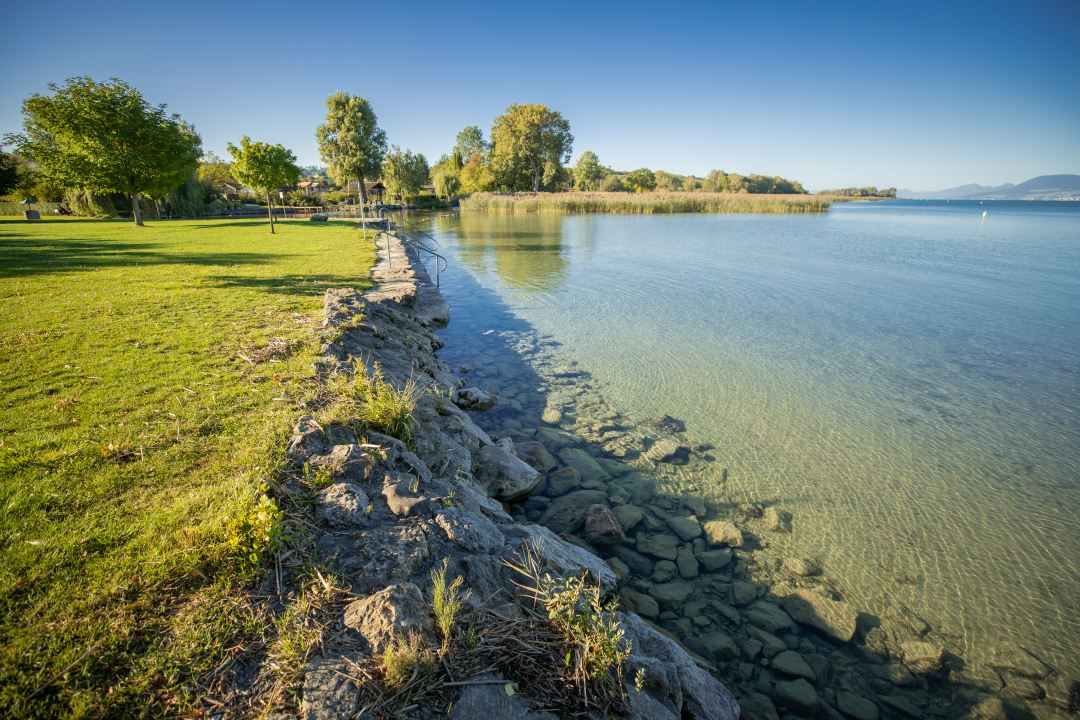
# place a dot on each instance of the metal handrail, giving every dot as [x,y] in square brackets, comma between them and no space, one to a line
[403,221]
[440,261]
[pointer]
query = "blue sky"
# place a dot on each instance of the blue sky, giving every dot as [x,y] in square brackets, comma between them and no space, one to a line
[912,95]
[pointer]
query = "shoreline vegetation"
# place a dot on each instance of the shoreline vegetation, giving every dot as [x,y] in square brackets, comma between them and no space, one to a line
[647,203]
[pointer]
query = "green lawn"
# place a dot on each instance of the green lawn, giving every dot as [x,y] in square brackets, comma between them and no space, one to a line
[185,346]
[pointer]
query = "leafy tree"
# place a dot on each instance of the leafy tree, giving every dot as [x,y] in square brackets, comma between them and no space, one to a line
[641,180]
[689,183]
[106,137]
[447,183]
[666,181]
[715,181]
[403,173]
[530,141]
[9,172]
[264,167]
[350,141]
[613,183]
[476,175]
[589,173]
[469,141]
[214,171]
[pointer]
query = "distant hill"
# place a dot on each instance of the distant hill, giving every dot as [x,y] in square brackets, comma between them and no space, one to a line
[1044,187]
[956,192]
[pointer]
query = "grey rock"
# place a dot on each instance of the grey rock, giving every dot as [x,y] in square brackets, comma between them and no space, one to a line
[922,658]
[771,646]
[695,505]
[374,558]
[584,464]
[855,706]
[536,456]
[744,593]
[713,560]
[404,502]
[505,476]
[672,595]
[696,646]
[987,708]
[565,559]
[746,672]
[663,450]
[801,567]
[491,701]
[563,481]
[329,688]
[618,567]
[551,415]
[664,571]
[346,462]
[646,706]
[639,564]
[635,602]
[686,528]
[727,611]
[819,664]
[836,619]
[751,648]
[769,618]
[895,673]
[720,645]
[473,398]
[720,532]
[343,504]
[1012,658]
[469,531]
[601,527]
[798,696]
[902,705]
[688,564]
[319,217]
[760,705]
[700,695]
[662,550]
[791,664]
[628,516]
[566,514]
[777,522]
[396,610]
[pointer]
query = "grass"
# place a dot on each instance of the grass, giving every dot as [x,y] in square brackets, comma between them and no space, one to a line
[150,376]
[446,601]
[653,202]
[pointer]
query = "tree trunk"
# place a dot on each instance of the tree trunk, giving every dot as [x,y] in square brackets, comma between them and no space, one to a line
[135,208]
[536,178]
[360,189]
[270,208]
[157,209]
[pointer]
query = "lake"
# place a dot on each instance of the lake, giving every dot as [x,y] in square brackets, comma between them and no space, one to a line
[903,377]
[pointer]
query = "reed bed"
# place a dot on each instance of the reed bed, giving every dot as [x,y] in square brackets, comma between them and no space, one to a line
[643,203]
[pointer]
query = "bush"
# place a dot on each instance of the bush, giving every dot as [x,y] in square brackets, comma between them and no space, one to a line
[613,183]
[11,209]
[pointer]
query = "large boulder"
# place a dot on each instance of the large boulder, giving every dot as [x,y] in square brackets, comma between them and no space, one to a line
[671,595]
[406,502]
[777,521]
[628,516]
[397,610]
[720,532]
[505,476]
[686,528]
[345,462]
[791,664]
[562,481]
[635,602]
[691,689]
[329,687]
[374,558]
[922,658]
[473,398]
[487,698]
[566,514]
[798,696]
[536,455]
[343,504]
[639,564]
[656,548]
[584,463]
[856,707]
[769,617]
[469,531]
[713,560]
[564,559]
[601,527]
[836,619]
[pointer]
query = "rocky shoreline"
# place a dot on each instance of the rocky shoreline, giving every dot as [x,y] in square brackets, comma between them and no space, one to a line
[708,604]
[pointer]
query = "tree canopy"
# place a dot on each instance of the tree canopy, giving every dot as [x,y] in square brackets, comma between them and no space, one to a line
[720,181]
[469,141]
[404,173]
[106,137]
[589,173]
[641,180]
[530,142]
[9,172]
[447,183]
[350,141]
[264,167]
[861,192]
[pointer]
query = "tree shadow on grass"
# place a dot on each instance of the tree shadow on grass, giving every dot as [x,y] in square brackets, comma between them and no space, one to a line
[22,256]
[308,285]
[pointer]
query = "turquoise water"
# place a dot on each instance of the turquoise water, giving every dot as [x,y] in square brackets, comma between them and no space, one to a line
[903,377]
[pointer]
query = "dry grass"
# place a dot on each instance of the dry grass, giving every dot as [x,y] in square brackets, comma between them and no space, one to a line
[646,203]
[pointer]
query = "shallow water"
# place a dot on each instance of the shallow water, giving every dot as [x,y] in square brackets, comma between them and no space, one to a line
[903,377]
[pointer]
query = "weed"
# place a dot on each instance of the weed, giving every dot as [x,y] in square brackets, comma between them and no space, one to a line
[447,601]
[404,658]
[380,405]
[256,534]
[598,644]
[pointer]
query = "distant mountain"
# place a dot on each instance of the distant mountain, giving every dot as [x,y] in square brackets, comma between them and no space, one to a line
[1044,187]
[956,192]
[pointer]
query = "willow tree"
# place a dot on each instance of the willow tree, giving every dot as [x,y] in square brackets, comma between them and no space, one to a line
[530,140]
[447,183]
[264,167]
[350,141]
[105,137]
[404,173]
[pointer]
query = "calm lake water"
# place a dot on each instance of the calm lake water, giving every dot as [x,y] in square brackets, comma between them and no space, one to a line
[903,377]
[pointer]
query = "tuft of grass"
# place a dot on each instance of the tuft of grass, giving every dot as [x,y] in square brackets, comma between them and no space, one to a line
[447,601]
[375,402]
[405,658]
[598,645]
[187,345]
[645,203]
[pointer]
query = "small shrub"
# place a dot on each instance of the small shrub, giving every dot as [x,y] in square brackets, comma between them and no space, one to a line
[447,601]
[259,533]
[404,658]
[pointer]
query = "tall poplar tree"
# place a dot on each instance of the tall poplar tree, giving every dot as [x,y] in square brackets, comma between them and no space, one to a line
[105,137]
[350,141]
[264,167]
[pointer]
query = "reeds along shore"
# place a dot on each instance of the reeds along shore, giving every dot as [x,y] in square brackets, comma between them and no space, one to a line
[656,202]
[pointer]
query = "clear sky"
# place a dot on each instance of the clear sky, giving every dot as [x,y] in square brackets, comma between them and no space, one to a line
[918,95]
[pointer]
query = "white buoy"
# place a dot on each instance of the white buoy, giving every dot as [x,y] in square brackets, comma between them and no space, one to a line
[984,213]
